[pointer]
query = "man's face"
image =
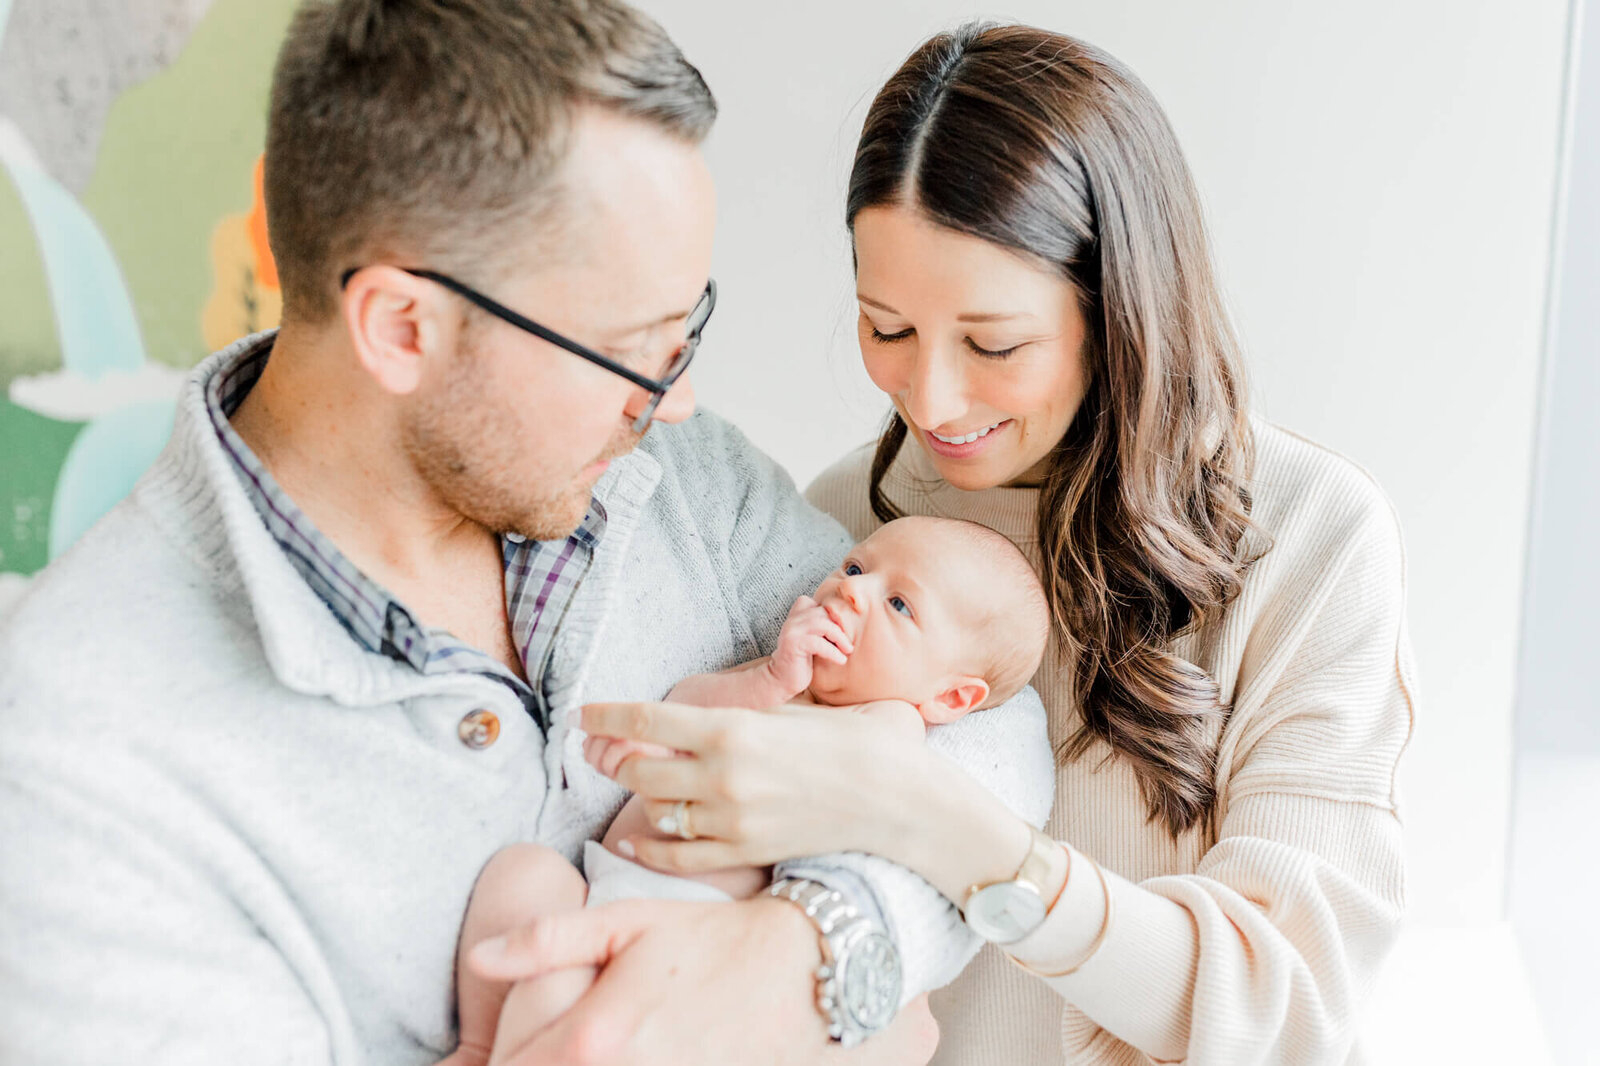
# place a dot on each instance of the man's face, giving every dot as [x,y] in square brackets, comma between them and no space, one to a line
[905,597]
[513,432]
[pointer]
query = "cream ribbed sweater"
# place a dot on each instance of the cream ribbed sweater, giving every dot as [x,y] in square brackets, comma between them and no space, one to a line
[1260,944]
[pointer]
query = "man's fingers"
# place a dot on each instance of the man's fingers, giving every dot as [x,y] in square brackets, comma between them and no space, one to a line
[558,941]
[672,725]
[603,1026]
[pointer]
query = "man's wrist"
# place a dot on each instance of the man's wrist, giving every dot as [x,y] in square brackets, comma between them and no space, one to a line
[859,981]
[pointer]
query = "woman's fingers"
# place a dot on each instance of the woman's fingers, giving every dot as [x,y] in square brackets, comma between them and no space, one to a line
[670,779]
[689,856]
[711,821]
[672,725]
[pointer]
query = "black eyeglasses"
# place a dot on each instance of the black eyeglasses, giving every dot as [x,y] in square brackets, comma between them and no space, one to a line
[656,387]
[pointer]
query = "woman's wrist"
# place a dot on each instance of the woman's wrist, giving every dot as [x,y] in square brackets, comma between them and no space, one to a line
[951,830]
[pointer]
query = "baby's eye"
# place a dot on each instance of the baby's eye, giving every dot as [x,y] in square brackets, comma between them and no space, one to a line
[851,570]
[900,605]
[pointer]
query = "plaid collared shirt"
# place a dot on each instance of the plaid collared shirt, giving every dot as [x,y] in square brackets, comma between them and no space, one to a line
[540,576]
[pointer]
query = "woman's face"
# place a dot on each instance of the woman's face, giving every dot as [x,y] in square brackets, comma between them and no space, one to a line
[980,349]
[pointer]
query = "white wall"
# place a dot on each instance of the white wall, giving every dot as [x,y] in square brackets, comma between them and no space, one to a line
[1558,697]
[1379,178]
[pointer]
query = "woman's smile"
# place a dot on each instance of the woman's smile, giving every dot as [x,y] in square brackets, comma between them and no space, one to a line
[968,445]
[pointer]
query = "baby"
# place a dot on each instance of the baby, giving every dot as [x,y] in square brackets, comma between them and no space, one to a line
[925,620]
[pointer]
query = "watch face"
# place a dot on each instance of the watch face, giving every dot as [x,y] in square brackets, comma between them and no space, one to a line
[1005,912]
[869,982]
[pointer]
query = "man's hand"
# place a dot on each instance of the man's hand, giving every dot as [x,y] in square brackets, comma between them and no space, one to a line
[698,984]
[809,631]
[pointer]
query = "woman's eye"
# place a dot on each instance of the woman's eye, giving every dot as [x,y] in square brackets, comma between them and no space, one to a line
[900,605]
[992,354]
[851,570]
[890,338]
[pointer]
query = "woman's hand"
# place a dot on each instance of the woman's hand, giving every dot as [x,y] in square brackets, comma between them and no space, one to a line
[767,786]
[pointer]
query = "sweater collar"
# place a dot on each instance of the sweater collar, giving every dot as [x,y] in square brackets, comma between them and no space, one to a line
[194,492]
[914,484]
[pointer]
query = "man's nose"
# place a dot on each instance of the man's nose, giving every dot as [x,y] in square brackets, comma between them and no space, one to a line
[675,406]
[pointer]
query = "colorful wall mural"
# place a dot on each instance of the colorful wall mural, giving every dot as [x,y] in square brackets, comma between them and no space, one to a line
[132,239]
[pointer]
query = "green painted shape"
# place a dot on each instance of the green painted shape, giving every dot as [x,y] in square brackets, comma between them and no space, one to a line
[28,340]
[178,154]
[32,449]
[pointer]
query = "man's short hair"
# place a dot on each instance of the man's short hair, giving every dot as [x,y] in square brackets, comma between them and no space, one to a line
[430,130]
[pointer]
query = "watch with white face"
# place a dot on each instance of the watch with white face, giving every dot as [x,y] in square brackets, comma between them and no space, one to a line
[1006,911]
[858,983]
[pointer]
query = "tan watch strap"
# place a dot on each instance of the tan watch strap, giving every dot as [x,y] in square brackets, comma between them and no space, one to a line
[1044,856]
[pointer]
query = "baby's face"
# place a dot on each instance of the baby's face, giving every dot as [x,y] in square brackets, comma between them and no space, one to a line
[905,597]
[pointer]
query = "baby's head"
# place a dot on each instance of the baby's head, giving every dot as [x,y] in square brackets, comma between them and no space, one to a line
[946,615]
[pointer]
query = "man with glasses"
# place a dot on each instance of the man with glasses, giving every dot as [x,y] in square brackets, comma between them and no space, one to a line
[262,727]
[658,387]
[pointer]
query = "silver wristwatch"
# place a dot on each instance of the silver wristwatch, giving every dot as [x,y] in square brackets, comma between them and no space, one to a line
[858,983]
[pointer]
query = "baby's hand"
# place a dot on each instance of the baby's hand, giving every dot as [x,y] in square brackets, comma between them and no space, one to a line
[807,632]
[607,754]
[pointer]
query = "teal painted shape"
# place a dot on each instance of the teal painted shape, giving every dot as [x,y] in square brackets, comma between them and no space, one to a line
[102,466]
[94,314]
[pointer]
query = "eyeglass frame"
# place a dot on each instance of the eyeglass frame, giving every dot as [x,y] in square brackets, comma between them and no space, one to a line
[658,388]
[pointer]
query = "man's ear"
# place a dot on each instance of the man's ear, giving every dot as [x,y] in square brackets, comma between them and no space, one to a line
[962,695]
[395,321]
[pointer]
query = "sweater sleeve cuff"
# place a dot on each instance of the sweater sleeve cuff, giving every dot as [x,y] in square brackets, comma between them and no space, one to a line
[1139,982]
[849,884]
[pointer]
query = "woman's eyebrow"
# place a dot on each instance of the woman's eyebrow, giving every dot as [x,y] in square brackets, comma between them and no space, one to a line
[992,316]
[971,316]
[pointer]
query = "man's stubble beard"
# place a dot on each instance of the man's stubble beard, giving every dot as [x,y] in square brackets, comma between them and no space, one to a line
[463,443]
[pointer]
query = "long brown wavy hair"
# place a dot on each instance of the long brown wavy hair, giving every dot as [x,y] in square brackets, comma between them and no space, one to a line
[1048,146]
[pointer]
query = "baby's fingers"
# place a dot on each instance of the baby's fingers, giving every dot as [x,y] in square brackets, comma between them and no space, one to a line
[822,648]
[836,634]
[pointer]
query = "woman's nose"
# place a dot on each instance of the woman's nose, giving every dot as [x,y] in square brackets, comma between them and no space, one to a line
[935,393]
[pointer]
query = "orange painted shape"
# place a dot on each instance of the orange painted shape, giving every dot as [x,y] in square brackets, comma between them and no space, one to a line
[266,267]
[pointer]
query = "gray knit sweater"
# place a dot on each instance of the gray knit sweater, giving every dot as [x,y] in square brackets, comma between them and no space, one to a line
[229,834]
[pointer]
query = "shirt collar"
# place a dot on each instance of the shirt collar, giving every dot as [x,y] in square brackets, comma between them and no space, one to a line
[373,617]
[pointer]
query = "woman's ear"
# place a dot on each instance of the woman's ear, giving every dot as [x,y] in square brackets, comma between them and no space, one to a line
[963,694]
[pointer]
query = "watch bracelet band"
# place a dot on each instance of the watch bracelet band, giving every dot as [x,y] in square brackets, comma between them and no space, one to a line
[839,924]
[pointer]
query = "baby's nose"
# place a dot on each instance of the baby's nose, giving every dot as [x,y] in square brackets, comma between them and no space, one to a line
[852,593]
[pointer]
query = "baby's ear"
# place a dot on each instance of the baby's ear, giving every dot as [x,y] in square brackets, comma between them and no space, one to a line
[963,695]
